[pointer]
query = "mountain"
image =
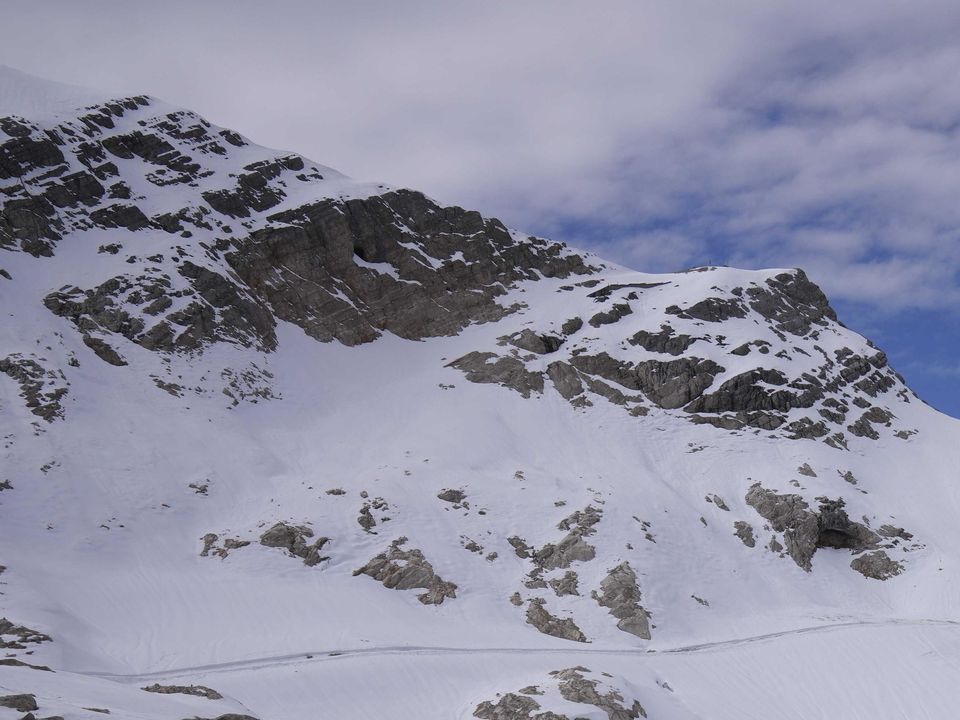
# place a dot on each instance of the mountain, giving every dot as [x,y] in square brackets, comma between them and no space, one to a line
[279,444]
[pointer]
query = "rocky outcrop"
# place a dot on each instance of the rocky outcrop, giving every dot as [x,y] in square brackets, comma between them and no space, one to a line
[744,531]
[620,594]
[792,303]
[539,344]
[42,389]
[542,620]
[513,707]
[406,570]
[487,367]
[575,687]
[295,539]
[19,636]
[666,341]
[195,690]
[804,530]
[21,703]
[670,384]
[876,565]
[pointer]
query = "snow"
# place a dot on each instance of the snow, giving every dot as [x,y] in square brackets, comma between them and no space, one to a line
[102,532]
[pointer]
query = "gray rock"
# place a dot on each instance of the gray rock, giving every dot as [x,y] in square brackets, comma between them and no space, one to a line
[876,565]
[608,317]
[565,379]
[452,496]
[542,620]
[620,593]
[507,371]
[664,341]
[21,703]
[532,342]
[195,690]
[42,389]
[295,540]
[806,470]
[406,570]
[804,530]
[744,531]
[574,687]
[571,326]
[513,707]
[566,585]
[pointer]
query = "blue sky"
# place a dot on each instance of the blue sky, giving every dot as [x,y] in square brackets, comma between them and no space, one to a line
[663,135]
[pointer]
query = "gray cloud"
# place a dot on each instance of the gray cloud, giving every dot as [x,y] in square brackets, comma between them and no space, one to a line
[661,134]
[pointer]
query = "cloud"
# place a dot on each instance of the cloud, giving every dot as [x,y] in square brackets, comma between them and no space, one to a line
[825,135]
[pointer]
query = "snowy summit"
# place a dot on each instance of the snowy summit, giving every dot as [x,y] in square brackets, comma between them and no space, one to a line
[279,444]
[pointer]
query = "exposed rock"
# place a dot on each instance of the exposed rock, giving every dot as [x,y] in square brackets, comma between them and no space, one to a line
[806,470]
[792,303]
[565,379]
[295,540]
[507,371]
[572,548]
[22,636]
[452,496]
[670,384]
[574,687]
[571,326]
[744,531]
[620,593]
[532,342]
[891,531]
[195,690]
[513,707]
[711,309]
[876,565]
[566,585]
[408,569]
[21,703]
[718,501]
[664,341]
[542,620]
[804,530]
[42,390]
[618,311]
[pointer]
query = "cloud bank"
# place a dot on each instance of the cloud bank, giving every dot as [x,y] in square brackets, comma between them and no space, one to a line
[663,135]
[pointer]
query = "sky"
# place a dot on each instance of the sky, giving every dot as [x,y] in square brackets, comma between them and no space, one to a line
[661,135]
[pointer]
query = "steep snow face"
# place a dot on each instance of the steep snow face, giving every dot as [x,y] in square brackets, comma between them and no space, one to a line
[331,449]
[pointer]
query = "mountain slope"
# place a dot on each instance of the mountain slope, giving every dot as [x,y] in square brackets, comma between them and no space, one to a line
[334,450]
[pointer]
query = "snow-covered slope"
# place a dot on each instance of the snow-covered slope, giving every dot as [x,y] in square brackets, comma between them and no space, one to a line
[333,450]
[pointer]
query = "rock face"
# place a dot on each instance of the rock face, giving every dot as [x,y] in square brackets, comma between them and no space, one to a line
[804,530]
[542,620]
[513,707]
[573,685]
[406,570]
[576,688]
[620,593]
[876,565]
[744,531]
[195,690]
[295,540]
[20,703]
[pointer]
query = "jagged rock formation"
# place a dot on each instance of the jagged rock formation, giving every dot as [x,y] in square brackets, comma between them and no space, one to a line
[406,570]
[804,530]
[295,540]
[548,624]
[620,593]
[195,690]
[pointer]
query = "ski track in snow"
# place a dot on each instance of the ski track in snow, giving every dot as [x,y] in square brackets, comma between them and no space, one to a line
[312,656]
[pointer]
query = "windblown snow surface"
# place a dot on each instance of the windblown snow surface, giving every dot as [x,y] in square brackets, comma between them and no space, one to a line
[109,502]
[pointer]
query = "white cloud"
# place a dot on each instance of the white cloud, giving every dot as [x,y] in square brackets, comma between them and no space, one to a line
[823,134]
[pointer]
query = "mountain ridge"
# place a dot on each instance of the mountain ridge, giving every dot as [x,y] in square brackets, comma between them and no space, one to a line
[251,408]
